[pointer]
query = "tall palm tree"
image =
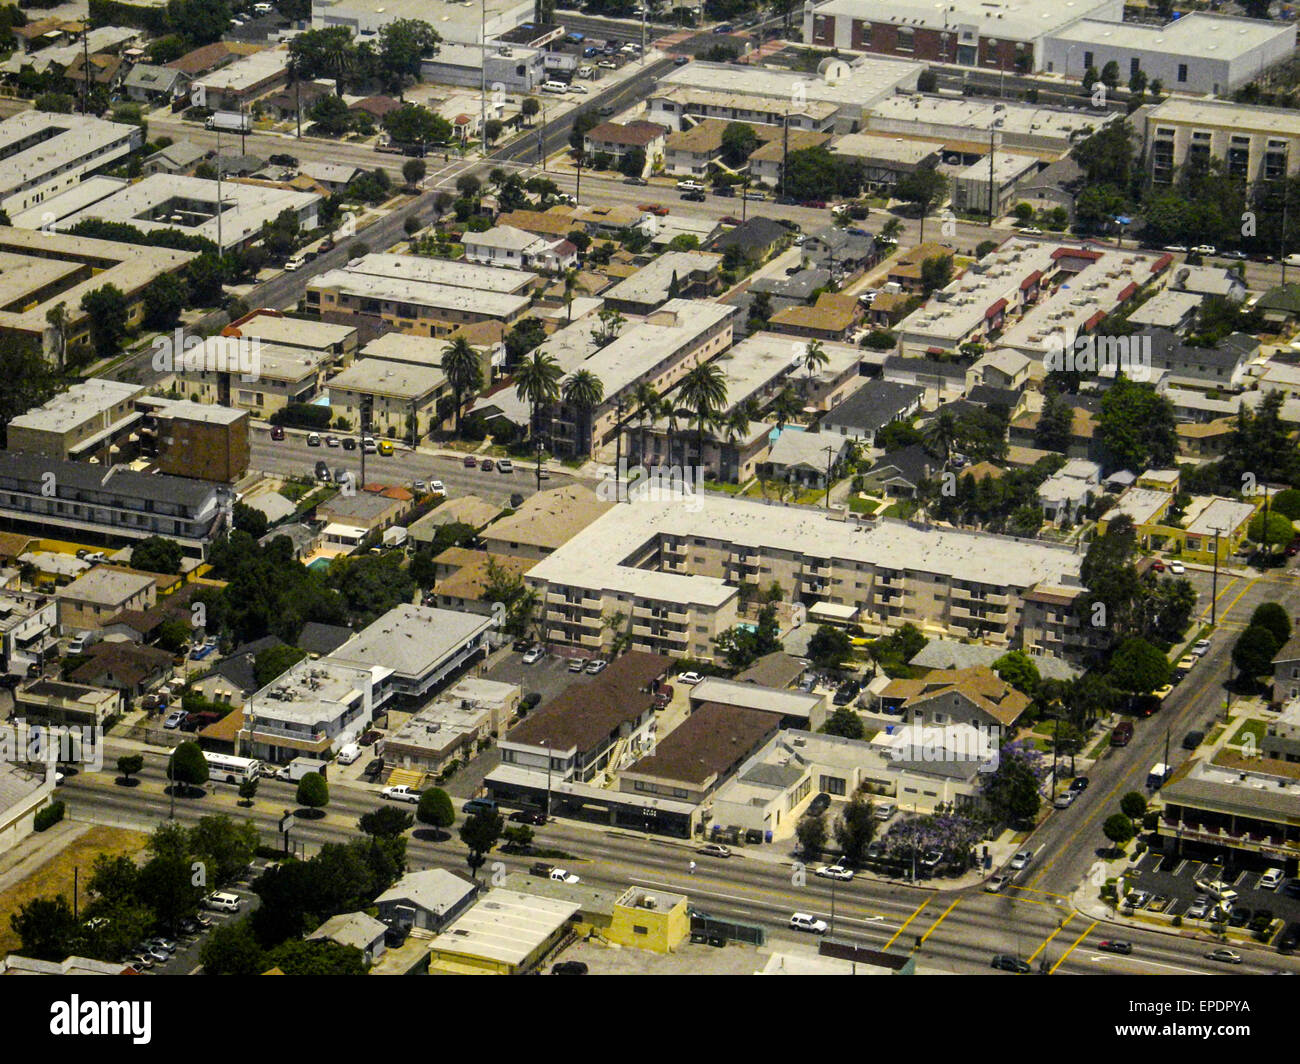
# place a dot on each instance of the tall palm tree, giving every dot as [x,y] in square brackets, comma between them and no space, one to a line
[340,59]
[571,285]
[583,391]
[648,405]
[537,381]
[464,372]
[735,425]
[704,392]
[815,359]
[942,435]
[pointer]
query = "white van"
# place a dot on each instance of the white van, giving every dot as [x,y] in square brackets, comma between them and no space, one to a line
[222,902]
[296,263]
[557,87]
[1271,879]
[351,752]
[586,72]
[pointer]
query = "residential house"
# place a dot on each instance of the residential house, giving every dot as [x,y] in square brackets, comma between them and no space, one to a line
[426,901]
[805,458]
[832,317]
[901,472]
[1069,490]
[757,239]
[618,140]
[156,85]
[873,406]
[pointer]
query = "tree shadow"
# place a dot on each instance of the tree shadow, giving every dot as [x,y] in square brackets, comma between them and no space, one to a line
[303,813]
[184,790]
[431,834]
[126,781]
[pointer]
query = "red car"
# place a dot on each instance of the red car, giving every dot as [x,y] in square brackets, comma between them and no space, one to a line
[728,219]
[816,204]
[653,208]
[1158,566]
[277,432]
[470,461]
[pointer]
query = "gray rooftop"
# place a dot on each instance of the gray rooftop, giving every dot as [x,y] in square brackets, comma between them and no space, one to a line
[412,640]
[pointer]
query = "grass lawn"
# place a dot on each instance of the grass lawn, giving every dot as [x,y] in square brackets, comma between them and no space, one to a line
[1099,747]
[55,875]
[728,489]
[863,506]
[1253,728]
[1214,735]
[903,508]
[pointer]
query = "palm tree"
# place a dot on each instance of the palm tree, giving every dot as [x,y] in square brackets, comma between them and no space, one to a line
[583,391]
[537,381]
[736,425]
[891,228]
[464,372]
[339,60]
[704,391]
[814,359]
[571,285]
[648,405]
[942,435]
[786,407]
[57,317]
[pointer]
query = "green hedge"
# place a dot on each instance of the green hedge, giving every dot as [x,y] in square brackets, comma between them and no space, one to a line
[49,816]
[303,416]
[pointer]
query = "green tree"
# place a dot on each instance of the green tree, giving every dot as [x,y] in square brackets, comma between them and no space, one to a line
[1055,427]
[226,847]
[272,662]
[583,392]
[1138,667]
[198,21]
[106,308]
[703,391]
[1254,650]
[413,170]
[924,188]
[249,519]
[936,272]
[1133,805]
[480,833]
[739,142]
[330,116]
[1012,788]
[537,382]
[829,647]
[1273,530]
[1136,427]
[187,766]
[1275,618]
[844,723]
[46,928]
[413,124]
[233,949]
[157,555]
[1110,75]
[855,828]
[463,369]
[129,765]
[164,298]
[248,791]
[435,809]
[812,834]
[315,957]
[1286,503]
[1018,669]
[403,44]
[386,822]
[1119,829]
[313,791]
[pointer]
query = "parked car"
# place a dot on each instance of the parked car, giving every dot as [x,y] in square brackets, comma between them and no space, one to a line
[563,875]
[1270,880]
[487,465]
[350,753]
[533,656]
[1290,938]
[505,466]
[995,885]
[576,664]
[714,849]
[597,666]
[277,432]
[1065,799]
[568,968]
[836,871]
[1115,945]
[1201,647]
[1005,962]
[373,770]
[175,719]
[689,678]
[1177,568]
[222,901]
[1239,917]
[313,439]
[400,794]
[1193,739]
[1021,860]
[528,816]
[1079,783]
[349,443]
[1199,908]
[885,810]
[807,922]
[1123,733]
[470,461]
[819,805]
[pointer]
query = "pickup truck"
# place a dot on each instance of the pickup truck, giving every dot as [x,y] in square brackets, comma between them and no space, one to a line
[400,794]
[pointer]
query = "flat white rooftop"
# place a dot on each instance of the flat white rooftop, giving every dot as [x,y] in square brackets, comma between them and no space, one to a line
[177,201]
[1198,35]
[38,145]
[412,640]
[977,117]
[81,402]
[762,357]
[456,273]
[422,293]
[1021,20]
[863,83]
[395,380]
[248,72]
[296,332]
[1223,114]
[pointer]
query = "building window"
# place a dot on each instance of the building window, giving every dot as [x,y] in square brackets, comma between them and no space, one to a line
[1182,73]
[906,39]
[831,785]
[1087,60]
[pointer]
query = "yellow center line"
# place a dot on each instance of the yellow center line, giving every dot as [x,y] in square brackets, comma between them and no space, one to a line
[955,903]
[906,922]
[1033,890]
[1086,932]
[1047,941]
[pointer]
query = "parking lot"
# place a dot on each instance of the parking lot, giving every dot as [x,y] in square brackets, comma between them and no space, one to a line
[1169,886]
[547,677]
[186,957]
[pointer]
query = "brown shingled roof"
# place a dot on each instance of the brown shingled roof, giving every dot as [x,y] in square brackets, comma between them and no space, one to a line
[708,744]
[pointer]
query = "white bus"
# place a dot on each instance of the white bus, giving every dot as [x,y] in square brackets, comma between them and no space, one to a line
[232,769]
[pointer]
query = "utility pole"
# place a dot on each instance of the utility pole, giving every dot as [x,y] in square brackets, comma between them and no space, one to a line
[546,811]
[482,40]
[577,190]
[297,102]
[618,448]
[644,8]
[85,59]
[785,149]
[1286,181]
[993,134]
[221,248]
[830,453]
[1214,581]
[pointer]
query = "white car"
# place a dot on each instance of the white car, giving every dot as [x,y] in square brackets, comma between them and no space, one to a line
[580,89]
[223,902]
[1177,568]
[436,487]
[995,885]
[1205,249]
[1201,648]
[1175,248]
[1065,799]
[563,875]
[806,922]
[1021,860]
[690,679]
[400,794]
[835,871]
[533,656]
[1030,230]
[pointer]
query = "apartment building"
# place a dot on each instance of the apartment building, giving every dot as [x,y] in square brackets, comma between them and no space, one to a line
[235,86]
[451,725]
[425,297]
[87,421]
[116,504]
[42,153]
[674,274]
[402,397]
[57,702]
[337,342]
[1253,143]
[103,592]
[618,140]
[673,567]
[198,440]
[313,709]
[247,374]
[29,627]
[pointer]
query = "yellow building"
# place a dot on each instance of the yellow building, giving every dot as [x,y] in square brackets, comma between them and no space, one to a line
[505,933]
[1166,480]
[1209,521]
[653,920]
